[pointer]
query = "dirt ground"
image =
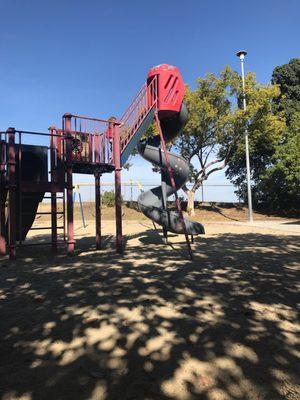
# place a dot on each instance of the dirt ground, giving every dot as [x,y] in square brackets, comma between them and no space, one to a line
[151,324]
[206,212]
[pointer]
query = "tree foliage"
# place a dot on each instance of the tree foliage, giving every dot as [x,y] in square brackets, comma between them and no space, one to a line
[274,148]
[214,135]
[280,185]
[287,76]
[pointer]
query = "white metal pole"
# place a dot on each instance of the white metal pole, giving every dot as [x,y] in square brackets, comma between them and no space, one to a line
[241,55]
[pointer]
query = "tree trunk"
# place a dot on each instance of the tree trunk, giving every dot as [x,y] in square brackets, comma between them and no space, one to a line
[190,204]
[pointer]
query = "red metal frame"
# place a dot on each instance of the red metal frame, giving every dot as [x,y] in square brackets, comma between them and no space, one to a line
[104,150]
[11,181]
[11,193]
[2,193]
[69,179]
[118,195]
[98,210]
[91,139]
[92,143]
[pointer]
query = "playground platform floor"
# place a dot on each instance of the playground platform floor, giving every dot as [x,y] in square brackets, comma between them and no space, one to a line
[152,324]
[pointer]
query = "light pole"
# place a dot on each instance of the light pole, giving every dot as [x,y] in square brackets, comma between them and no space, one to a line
[241,54]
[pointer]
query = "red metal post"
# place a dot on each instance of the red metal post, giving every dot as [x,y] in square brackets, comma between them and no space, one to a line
[53,148]
[69,172]
[3,193]
[164,202]
[12,194]
[170,171]
[98,210]
[118,195]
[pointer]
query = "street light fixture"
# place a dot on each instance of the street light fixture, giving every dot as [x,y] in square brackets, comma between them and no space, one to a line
[241,54]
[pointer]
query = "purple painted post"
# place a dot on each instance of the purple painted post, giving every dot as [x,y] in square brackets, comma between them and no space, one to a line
[70,201]
[53,146]
[12,194]
[2,196]
[118,195]
[98,210]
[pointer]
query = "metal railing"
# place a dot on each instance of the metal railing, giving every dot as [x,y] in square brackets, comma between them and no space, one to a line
[135,114]
[92,139]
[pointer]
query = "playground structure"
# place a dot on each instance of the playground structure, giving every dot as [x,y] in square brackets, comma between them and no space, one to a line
[95,146]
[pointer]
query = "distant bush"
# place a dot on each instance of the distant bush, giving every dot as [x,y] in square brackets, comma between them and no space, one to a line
[108,198]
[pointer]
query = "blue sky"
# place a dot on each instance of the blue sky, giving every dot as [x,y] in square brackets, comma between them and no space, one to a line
[90,57]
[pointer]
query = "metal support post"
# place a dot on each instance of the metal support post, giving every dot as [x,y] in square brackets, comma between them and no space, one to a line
[12,194]
[98,210]
[53,141]
[164,202]
[3,193]
[241,55]
[70,202]
[118,195]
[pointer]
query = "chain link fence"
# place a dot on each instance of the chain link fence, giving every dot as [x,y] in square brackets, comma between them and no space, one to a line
[132,189]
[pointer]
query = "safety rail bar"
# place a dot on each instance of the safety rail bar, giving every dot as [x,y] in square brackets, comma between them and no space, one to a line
[89,118]
[135,114]
[92,138]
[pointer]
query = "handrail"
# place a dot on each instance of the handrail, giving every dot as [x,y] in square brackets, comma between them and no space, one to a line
[133,102]
[135,114]
[90,118]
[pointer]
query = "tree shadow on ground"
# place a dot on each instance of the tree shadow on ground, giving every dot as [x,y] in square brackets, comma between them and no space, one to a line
[151,325]
[215,208]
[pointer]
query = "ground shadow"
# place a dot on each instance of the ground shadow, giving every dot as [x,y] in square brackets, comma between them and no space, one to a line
[151,325]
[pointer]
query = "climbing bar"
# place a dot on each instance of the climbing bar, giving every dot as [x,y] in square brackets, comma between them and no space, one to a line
[40,228]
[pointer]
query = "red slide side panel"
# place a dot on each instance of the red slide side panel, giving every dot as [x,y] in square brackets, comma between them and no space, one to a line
[170,88]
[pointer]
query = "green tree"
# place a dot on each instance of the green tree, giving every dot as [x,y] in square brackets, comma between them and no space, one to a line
[287,76]
[278,188]
[209,124]
[279,185]
[265,130]
[274,150]
[213,138]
